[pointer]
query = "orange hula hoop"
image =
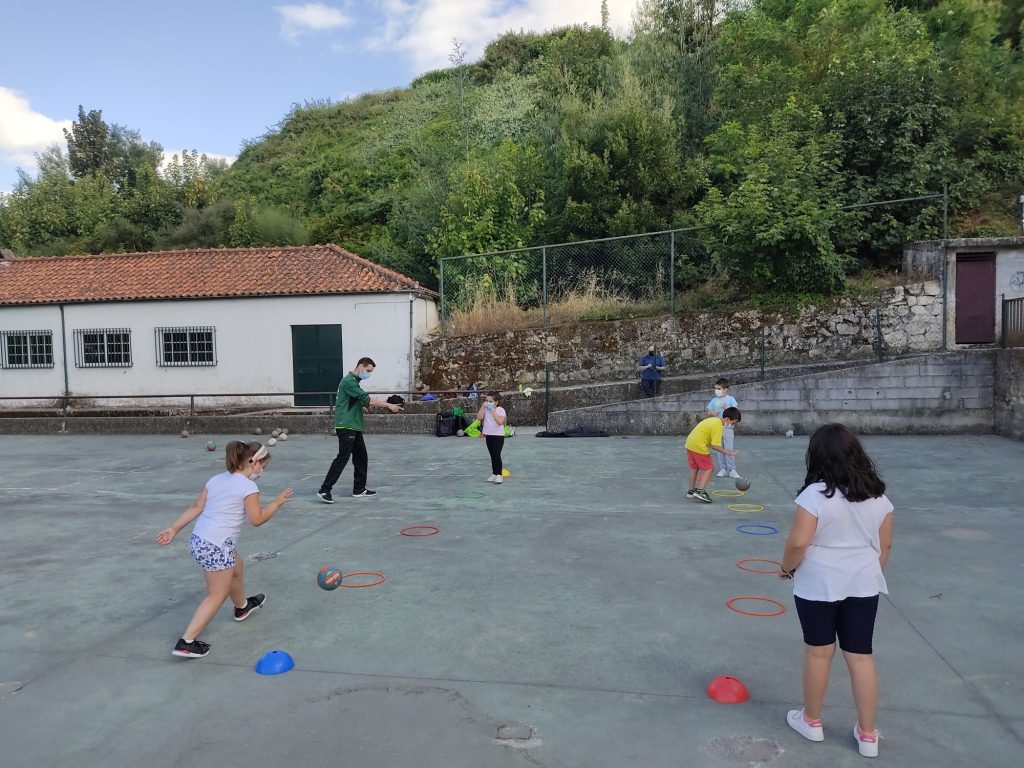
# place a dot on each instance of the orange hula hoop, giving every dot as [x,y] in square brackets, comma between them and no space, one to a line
[382,578]
[742,567]
[731,607]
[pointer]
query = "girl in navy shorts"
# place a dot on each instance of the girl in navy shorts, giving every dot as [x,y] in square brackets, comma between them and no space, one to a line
[835,553]
[225,503]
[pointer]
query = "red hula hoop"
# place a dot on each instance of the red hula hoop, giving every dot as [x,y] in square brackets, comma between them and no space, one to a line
[739,564]
[433,530]
[731,607]
[380,580]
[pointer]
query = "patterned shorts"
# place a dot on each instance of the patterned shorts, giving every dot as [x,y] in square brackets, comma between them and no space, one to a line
[210,556]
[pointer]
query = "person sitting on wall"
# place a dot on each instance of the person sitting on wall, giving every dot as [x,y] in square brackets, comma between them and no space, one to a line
[650,367]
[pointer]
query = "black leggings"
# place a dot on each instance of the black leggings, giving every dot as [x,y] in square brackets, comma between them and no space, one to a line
[494,446]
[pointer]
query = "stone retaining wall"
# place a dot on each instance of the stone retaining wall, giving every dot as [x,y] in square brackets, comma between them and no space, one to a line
[709,342]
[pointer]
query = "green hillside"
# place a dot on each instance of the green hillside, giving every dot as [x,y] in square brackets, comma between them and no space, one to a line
[756,123]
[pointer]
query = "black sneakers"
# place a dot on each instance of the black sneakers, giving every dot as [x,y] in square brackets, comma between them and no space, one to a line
[365,494]
[701,495]
[194,650]
[325,497]
[253,603]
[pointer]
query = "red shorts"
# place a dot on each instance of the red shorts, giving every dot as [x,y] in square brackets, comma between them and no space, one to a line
[699,460]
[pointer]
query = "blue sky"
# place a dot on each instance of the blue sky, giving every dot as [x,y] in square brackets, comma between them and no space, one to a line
[209,74]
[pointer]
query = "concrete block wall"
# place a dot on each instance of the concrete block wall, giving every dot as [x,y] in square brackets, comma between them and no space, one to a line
[1009,393]
[937,394]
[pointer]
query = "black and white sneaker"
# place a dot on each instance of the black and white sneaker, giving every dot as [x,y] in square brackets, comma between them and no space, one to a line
[194,650]
[253,603]
[366,493]
[325,497]
[690,493]
[701,495]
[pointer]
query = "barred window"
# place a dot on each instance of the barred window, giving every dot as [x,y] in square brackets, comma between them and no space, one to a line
[26,349]
[186,346]
[103,348]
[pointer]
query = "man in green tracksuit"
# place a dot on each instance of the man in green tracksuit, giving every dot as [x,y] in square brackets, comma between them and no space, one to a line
[348,423]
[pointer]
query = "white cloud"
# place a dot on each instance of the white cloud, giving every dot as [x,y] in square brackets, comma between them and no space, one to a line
[297,20]
[23,131]
[424,29]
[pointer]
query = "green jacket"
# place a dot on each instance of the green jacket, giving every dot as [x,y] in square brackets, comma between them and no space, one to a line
[348,409]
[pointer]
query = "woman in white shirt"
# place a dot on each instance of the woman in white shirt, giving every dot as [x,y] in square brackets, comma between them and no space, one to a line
[835,553]
[225,503]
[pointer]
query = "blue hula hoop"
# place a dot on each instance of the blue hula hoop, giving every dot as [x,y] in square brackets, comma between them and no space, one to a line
[771,530]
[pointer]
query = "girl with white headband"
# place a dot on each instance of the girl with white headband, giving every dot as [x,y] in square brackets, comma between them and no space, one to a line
[225,503]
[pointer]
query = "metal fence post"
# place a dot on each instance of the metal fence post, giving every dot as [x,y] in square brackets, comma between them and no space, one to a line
[440,288]
[672,273]
[547,393]
[544,282]
[762,353]
[191,406]
[945,212]
[878,334]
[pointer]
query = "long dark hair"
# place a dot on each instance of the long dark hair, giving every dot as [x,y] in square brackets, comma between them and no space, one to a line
[836,458]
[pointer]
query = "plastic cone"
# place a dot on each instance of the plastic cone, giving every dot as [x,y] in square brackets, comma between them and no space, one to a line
[728,690]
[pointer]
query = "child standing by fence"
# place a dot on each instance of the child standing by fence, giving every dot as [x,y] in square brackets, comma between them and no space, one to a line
[835,554]
[225,502]
[493,418]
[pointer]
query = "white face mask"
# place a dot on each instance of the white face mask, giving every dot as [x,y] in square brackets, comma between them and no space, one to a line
[257,472]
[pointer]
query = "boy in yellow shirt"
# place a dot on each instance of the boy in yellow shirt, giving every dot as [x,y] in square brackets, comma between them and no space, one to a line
[704,438]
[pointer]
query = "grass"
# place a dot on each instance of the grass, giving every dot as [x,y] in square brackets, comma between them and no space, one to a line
[484,310]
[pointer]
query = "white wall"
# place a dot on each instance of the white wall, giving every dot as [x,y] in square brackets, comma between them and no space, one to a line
[1009,262]
[253,341]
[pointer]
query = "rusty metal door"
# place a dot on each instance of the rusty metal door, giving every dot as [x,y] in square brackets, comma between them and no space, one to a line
[976,298]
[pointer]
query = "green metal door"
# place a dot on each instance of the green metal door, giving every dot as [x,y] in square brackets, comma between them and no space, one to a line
[316,362]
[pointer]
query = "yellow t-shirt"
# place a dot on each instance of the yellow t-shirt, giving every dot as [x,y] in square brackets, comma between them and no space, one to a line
[704,435]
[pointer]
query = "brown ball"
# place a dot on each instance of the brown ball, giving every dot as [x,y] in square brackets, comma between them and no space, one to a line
[742,485]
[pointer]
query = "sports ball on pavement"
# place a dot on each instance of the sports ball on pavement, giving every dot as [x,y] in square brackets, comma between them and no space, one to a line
[211,446]
[329,578]
[271,441]
[742,485]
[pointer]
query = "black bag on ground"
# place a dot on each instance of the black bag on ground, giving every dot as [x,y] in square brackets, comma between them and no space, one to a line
[445,425]
[396,400]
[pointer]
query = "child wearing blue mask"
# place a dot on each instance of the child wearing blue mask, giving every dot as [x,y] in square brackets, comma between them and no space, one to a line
[493,418]
[225,503]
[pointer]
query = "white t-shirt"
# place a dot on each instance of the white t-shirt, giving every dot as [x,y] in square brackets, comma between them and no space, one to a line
[842,560]
[491,425]
[224,513]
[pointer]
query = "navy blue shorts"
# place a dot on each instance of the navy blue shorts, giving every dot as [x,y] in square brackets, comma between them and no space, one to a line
[851,620]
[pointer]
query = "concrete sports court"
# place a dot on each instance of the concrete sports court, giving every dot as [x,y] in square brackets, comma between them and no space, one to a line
[571,617]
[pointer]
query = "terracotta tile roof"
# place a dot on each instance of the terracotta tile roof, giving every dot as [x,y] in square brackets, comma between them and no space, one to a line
[193,274]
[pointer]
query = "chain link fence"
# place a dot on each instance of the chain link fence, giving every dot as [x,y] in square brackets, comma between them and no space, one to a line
[585,280]
[601,279]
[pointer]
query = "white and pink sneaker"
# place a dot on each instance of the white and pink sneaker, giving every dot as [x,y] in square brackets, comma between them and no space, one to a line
[867,743]
[812,731]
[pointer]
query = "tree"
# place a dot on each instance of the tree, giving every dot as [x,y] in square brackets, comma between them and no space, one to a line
[88,148]
[771,217]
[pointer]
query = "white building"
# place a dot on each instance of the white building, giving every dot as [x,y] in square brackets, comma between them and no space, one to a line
[254,324]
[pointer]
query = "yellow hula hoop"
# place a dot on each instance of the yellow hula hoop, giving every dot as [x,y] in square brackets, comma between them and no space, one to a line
[746,508]
[727,492]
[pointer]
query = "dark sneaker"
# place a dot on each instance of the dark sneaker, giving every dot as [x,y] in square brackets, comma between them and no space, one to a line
[325,497]
[253,603]
[701,495]
[365,494]
[194,650]
[690,493]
